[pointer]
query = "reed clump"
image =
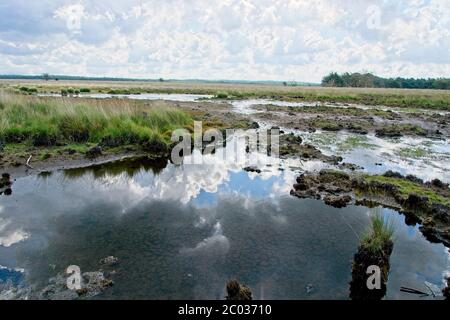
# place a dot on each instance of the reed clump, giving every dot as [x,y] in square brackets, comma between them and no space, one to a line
[49,122]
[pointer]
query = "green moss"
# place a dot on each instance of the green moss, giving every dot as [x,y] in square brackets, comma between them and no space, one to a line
[17,149]
[406,187]
[413,152]
[323,139]
[45,155]
[354,142]
[324,124]
[399,129]
[77,147]
[413,129]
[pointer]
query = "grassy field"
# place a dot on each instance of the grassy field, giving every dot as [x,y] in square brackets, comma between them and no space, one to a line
[405,98]
[42,122]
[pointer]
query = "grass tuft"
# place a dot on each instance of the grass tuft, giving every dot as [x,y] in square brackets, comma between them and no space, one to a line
[380,235]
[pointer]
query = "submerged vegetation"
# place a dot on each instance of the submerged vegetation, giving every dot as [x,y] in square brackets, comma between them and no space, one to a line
[55,122]
[354,142]
[414,153]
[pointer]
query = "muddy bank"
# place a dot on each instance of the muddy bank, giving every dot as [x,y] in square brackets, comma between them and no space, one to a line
[426,203]
[292,146]
[20,169]
[384,123]
[25,159]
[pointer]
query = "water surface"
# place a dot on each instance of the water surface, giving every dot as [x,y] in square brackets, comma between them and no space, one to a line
[143,96]
[181,232]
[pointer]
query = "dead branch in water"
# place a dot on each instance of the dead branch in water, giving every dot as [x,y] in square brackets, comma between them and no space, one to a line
[28,163]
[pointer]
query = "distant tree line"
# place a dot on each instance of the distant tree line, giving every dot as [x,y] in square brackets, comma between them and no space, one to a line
[368,80]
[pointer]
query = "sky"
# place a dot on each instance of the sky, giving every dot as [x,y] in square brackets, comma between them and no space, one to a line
[286,40]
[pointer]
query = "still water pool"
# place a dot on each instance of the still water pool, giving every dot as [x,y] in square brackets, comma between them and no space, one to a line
[181,232]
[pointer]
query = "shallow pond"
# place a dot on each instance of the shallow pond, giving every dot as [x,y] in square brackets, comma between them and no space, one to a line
[423,157]
[181,232]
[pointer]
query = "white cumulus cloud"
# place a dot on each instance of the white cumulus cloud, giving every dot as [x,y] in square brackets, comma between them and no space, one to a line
[235,39]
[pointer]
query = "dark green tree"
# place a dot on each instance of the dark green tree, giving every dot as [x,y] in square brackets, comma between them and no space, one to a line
[333,80]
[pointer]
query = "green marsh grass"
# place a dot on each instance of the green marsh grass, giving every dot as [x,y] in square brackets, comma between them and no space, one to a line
[380,235]
[48,122]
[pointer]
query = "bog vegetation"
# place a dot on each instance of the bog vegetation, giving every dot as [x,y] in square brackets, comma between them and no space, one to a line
[49,122]
[380,235]
[421,99]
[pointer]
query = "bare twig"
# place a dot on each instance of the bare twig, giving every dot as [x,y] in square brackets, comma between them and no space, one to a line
[28,162]
[413,291]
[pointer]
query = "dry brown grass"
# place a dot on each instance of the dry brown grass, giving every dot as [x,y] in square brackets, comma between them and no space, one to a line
[409,98]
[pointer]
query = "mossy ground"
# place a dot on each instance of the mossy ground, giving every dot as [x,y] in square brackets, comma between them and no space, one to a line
[402,129]
[406,187]
[413,152]
[356,141]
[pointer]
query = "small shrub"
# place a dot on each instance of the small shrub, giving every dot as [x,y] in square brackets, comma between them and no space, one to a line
[222,95]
